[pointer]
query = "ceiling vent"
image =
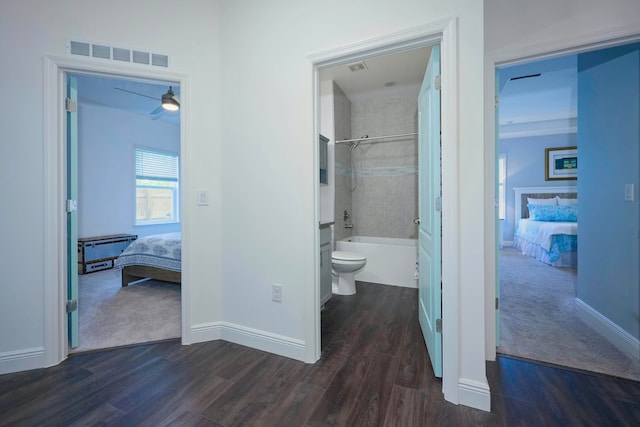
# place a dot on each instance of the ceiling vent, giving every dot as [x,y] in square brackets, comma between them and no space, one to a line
[103,51]
[358,66]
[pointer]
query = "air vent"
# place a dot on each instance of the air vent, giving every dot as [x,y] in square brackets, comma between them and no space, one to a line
[99,51]
[358,66]
[79,48]
[159,60]
[121,54]
[141,57]
[104,51]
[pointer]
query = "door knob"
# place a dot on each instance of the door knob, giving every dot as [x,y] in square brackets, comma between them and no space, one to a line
[416,221]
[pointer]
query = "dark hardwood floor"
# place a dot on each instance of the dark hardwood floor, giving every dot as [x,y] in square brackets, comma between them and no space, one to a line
[374,371]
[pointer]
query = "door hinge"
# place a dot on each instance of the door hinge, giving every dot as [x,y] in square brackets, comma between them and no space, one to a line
[438,204]
[70,105]
[497,303]
[72,305]
[497,101]
[436,83]
[71,205]
[439,326]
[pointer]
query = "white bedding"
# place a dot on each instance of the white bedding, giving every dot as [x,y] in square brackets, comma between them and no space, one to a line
[541,232]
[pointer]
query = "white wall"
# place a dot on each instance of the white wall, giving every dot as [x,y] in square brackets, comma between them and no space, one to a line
[268,206]
[106,168]
[31,29]
[327,199]
[516,30]
[249,144]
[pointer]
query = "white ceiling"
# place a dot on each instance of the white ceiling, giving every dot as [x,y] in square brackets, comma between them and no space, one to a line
[550,96]
[405,68]
[137,97]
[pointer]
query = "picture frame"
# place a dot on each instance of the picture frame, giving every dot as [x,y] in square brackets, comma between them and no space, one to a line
[561,163]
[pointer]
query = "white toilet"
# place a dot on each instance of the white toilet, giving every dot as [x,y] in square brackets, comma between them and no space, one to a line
[344,266]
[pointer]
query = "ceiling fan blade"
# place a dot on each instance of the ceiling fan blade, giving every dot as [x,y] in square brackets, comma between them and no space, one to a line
[158,110]
[136,93]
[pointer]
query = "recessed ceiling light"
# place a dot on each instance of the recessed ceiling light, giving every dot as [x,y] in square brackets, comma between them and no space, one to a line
[389,84]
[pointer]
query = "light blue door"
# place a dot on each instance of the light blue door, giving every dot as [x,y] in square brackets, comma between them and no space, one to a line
[72,214]
[429,201]
[498,225]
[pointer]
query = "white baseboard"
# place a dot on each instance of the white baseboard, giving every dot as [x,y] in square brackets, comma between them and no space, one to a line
[22,360]
[203,333]
[474,394]
[254,338]
[621,339]
[266,341]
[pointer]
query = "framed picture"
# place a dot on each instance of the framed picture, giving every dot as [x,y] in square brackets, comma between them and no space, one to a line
[561,163]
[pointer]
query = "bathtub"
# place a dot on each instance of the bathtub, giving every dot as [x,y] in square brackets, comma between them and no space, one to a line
[389,261]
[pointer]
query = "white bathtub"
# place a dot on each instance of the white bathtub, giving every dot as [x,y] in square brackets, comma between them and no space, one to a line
[389,261]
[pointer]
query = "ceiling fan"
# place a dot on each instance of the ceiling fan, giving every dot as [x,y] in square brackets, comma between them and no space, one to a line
[169,101]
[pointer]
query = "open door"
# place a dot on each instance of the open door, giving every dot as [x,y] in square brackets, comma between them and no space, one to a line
[429,210]
[72,212]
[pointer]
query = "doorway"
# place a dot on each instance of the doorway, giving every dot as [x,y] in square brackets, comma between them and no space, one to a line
[55,227]
[355,53]
[560,326]
[118,121]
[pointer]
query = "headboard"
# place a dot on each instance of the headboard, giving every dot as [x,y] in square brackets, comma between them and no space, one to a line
[521,210]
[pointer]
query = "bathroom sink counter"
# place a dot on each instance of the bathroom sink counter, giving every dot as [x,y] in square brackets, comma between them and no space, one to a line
[326,224]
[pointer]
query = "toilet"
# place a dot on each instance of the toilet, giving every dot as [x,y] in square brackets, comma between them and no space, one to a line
[344,266]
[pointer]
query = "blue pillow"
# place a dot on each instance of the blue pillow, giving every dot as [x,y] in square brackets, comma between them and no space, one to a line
[567,213]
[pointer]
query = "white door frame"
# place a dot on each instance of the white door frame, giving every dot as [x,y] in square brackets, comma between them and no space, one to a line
[516,55]
[444,33]
[55,176]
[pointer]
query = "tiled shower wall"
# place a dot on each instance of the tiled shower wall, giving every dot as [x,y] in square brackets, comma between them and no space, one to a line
[385,200]
[342,123]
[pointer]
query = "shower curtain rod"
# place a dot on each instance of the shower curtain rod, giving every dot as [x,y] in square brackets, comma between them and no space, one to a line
[375,137]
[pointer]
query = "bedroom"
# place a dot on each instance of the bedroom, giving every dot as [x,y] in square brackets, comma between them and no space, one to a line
[584,317]
[114,200]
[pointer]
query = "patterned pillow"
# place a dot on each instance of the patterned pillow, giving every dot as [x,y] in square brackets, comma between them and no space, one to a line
[568,213]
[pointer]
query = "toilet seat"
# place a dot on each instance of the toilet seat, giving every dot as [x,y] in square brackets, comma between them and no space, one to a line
[347,256]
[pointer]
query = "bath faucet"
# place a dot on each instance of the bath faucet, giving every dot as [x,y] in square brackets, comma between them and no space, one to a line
[348,225]
[346,215]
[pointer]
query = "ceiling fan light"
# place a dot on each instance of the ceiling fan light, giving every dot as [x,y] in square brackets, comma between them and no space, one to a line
[169,101]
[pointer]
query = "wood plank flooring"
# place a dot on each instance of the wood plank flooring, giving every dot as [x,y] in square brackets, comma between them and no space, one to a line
[374,371]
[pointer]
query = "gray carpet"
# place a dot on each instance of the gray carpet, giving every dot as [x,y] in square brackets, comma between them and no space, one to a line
[539,321]
[112,316]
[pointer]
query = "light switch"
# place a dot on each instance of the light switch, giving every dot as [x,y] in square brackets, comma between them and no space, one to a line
[202,198]
[629,192]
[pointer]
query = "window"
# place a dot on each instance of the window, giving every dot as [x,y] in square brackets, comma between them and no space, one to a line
[157,187]
[502,177]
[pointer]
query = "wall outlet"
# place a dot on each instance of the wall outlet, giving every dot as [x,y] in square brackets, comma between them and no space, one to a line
[276,292]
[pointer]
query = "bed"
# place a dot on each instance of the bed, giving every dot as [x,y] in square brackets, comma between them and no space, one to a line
[546,225]
[153,257]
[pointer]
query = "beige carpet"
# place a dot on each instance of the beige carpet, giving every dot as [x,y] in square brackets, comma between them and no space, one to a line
[538,319]
[112,316]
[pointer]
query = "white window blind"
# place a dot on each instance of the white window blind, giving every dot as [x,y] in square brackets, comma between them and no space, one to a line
[157,187]
[156,166]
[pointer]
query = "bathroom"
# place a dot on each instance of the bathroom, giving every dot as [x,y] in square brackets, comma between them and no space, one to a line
[368,112]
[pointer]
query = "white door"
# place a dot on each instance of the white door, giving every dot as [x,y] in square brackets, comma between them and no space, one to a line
[72,214]
[429,209]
